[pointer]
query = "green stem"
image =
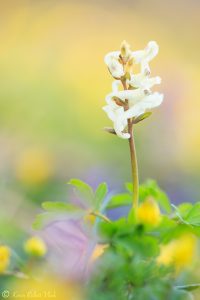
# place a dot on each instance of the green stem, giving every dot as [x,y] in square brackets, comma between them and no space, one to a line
[100,215]
[134,165]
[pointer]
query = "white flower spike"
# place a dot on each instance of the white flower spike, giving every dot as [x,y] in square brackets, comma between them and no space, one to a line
[113,64]
[136,97]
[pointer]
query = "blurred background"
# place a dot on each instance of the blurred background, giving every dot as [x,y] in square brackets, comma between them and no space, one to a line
[53,86]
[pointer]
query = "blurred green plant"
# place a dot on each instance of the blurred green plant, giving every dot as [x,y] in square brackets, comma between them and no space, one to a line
[144,254]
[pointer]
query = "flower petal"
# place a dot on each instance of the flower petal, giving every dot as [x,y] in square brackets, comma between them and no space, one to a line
[147,103]
[142,81]
[147,54]
[143,57]
[113,64]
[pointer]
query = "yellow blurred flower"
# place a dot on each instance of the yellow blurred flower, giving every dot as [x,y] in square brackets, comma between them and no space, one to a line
[4,258]
[179,252]
[98,251]
[34,167]
[48,288]
[149,213]
[35,246]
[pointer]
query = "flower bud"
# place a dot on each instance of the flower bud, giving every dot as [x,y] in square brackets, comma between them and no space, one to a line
[4,258]
[35,246]
[129,65]
[125,50]
[149,212]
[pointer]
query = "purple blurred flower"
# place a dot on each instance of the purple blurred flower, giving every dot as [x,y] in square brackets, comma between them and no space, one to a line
[70,247]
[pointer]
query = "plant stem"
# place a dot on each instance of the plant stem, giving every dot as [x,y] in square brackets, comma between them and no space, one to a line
[134,165]
[100,215]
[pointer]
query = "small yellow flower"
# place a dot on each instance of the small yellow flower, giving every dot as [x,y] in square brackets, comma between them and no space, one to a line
[149,213]
[179,252]
[33,167]
[35,246]
[4,258]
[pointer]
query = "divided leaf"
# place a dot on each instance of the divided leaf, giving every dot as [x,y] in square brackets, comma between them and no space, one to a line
[42,220]
[188,214]
[193,216]
[142,117]
[52,215]
[188,287]
[83,191]
[119,200]
[60,207]
[100,195]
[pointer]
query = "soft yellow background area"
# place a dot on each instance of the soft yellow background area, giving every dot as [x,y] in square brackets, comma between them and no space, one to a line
[54,81]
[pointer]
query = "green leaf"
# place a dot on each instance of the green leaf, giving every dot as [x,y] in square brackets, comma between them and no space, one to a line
[41,220]
[119,200]
[44,219]
[60,207]
[100,194]
[188,287]
[179,215]
[150,188]
[142,117]
[110,130]
[83,191]
[129,187]
[131,216]
[184,208]
[193,216]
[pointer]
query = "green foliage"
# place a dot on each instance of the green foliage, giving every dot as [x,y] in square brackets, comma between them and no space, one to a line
[100,195]
[188,287]
[43,219]
[188,214]
[59,207]
[119,200]
[193,216]
[83,190]
[92,202]
[129,267]
[142,117]
[150,188]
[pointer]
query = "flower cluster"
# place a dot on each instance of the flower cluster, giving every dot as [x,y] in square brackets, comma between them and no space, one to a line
[136,97]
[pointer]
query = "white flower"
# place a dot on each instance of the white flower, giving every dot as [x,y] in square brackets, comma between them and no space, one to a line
[136,97]
[139,102]
[117,115]
[143,81]
[143,57]
[113,64]
[148,102]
